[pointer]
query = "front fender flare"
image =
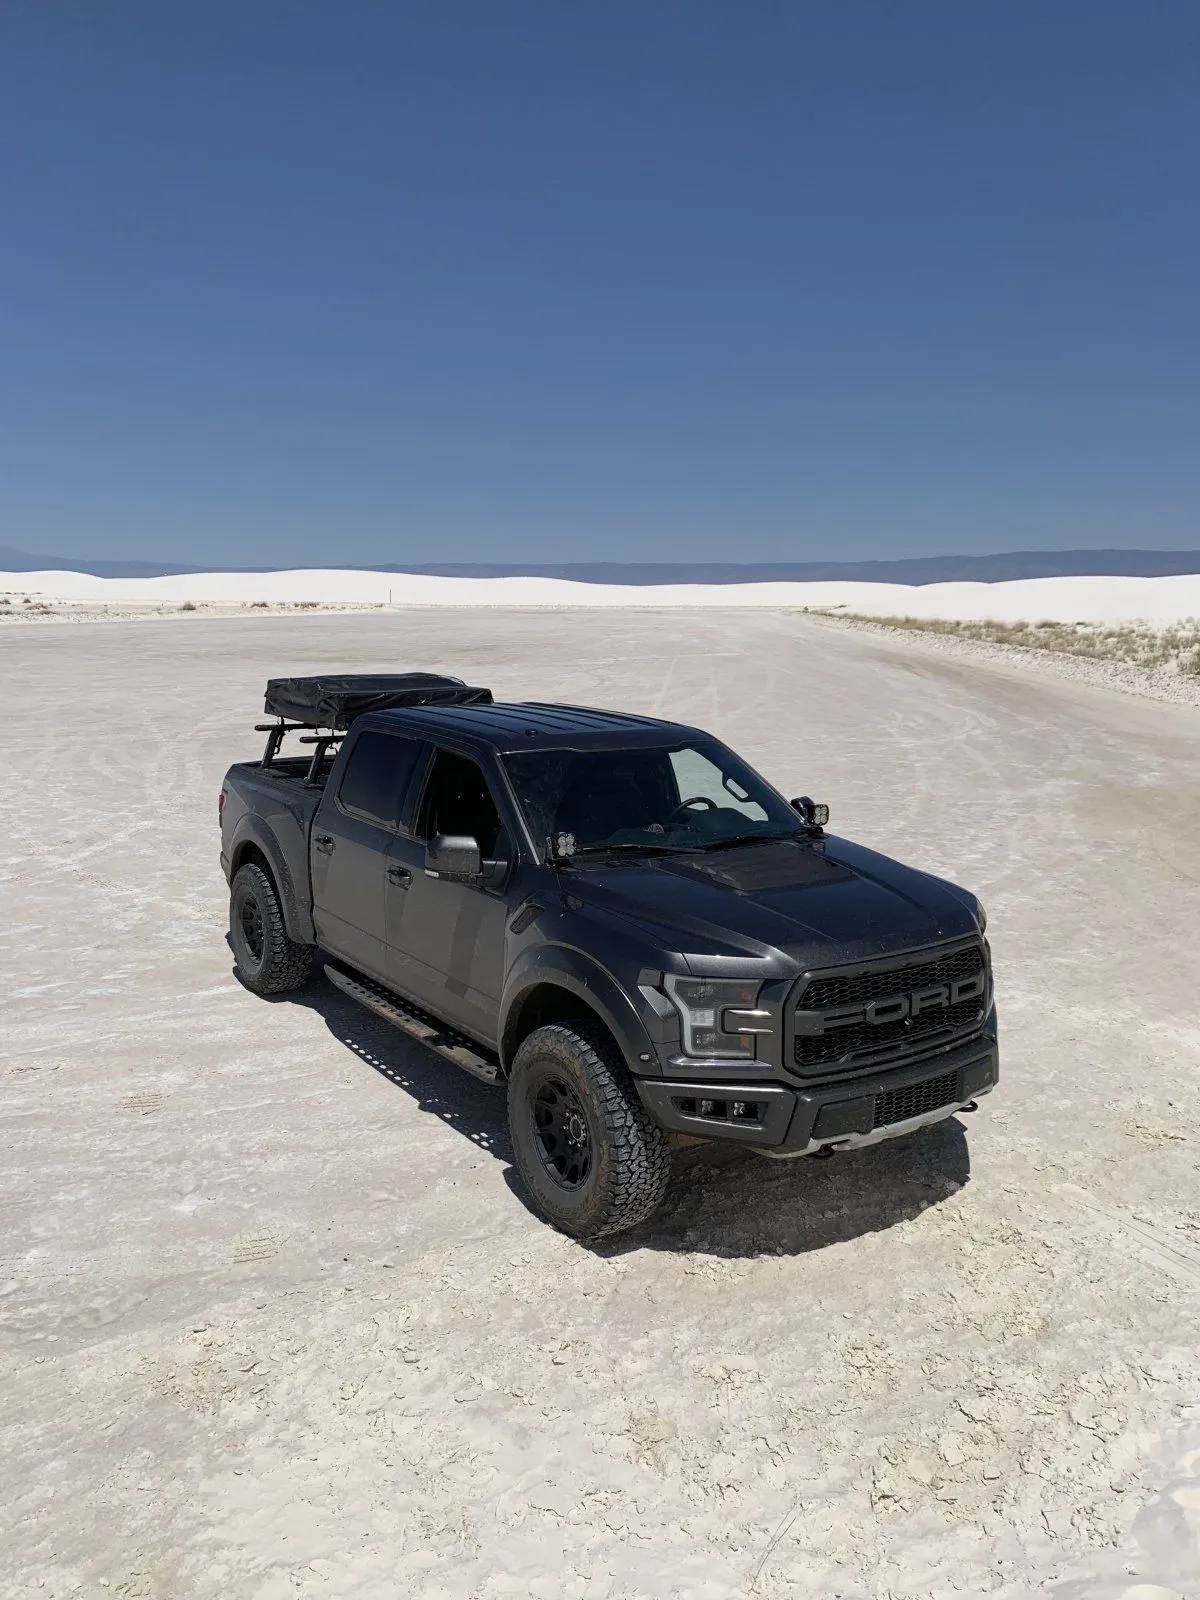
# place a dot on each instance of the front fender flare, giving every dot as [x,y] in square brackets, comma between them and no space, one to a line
[583,976]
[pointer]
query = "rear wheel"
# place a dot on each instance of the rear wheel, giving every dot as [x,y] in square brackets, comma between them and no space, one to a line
[267,960]
[590,1155]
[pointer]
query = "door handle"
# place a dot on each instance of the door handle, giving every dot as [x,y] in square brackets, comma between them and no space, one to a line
[325,843]
[400,876]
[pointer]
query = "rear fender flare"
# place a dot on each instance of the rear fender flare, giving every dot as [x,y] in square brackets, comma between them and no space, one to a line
[297,917]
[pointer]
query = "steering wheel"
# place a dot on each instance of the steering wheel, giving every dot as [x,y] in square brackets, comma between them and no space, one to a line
[705,802]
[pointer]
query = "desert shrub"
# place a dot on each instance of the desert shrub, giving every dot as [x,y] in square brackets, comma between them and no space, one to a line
[1174,648]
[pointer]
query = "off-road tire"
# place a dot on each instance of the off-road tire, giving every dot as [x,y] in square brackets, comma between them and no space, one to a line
[630,1161]
[279,964]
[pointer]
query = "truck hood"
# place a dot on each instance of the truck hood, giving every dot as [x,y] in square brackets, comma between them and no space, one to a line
[825,899]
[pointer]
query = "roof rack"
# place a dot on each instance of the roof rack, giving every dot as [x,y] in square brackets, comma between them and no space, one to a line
[331,702]
[334,700]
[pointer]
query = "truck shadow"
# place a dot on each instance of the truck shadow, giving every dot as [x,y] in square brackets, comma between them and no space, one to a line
[732,1203]
[722,1201]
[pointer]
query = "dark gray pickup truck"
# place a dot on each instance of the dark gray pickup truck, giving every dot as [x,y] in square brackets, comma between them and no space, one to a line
[614,917]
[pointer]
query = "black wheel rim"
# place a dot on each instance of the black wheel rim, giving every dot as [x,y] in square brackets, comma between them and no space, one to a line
[250,919]
[563,1135]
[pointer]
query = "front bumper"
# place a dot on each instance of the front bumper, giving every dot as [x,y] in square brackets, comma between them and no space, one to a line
[784,1121]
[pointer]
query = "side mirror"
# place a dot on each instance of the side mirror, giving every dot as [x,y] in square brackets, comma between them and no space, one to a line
[814,815]
[454,857]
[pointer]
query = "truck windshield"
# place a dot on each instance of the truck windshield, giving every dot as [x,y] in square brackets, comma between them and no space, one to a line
[670,797]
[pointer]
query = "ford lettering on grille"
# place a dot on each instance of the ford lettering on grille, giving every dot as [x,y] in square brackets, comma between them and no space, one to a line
[885,1012]
[895,1008]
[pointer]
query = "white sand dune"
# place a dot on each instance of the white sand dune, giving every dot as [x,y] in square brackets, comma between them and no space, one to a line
[1072,599]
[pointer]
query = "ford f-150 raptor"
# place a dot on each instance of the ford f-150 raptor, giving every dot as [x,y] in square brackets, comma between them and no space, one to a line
[612,916]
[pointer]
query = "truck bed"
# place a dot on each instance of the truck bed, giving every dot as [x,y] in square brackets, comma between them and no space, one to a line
[283,804]
[290,770]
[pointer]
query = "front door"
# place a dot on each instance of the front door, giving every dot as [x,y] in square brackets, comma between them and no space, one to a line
[446,940]
[352,832]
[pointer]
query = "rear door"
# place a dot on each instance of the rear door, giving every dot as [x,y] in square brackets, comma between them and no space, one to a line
[446,940]
[355,826]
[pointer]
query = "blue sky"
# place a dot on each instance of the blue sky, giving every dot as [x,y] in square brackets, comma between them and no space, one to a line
[661,281]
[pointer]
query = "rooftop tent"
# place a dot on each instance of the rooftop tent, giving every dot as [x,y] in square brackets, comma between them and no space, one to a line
[334,700]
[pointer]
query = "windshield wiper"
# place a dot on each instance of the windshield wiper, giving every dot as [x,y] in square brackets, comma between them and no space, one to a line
[636,847]
[753,838]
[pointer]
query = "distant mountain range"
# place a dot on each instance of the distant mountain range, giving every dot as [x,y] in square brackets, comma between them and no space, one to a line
[915,570]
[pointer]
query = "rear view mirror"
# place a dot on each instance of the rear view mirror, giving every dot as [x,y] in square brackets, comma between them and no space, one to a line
[454,857]
[816,816]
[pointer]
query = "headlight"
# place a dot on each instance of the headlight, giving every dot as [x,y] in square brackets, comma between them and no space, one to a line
[981,914]
[719,1015]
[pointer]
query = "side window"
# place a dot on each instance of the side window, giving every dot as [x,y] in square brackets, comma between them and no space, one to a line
[699,777]
[458,800]
[377,775]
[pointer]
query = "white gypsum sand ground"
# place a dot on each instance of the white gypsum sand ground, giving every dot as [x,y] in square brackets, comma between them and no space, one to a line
[276,1320]
[1104,599]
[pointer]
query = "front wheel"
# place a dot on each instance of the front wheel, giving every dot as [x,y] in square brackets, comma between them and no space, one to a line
[267,960]
[589,1153]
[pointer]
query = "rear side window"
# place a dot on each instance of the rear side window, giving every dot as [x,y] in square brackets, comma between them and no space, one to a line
[377,775]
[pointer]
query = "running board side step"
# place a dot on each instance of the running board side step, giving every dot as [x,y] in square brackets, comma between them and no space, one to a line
[449,1044]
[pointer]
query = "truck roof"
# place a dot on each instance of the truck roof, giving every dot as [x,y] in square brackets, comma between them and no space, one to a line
[533,725]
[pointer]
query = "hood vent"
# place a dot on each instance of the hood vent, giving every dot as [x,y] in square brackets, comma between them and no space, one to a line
[762,867]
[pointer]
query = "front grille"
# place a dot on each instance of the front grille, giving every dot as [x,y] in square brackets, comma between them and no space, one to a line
[849,1042]
[915,1100]
[857,988]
